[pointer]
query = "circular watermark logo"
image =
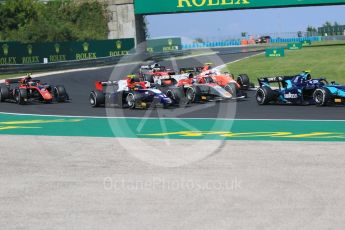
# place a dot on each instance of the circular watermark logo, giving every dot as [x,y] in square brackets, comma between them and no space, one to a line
[176,135]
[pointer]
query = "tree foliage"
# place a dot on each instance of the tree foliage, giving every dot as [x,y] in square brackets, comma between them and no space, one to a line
[327,24]
[59,20]
[311,29]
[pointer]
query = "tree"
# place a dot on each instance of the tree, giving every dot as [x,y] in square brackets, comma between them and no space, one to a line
[198,40]
[59,20]
[327,24]
[311,31]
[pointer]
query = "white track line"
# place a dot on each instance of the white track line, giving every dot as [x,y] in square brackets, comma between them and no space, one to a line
[219,68]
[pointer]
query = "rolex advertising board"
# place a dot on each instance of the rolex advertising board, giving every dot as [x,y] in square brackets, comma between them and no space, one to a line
[275,52]
[19,53]
[176,6]
[163,45]
[294,46]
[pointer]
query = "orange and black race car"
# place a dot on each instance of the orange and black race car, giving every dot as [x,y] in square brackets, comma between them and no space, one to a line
[202,89]
[22,91]
[223,80]
[228,82]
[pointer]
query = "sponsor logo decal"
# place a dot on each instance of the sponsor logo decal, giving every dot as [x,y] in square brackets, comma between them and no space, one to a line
[5,49]
[57,48]
[118,44]
[290,96]
[203,3]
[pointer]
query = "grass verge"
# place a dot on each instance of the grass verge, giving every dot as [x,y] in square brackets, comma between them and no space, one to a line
[325,61]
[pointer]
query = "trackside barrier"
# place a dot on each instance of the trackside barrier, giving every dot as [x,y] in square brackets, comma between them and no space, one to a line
[245,42]
[291,40]
[333,38]
[17,68]
[211,44]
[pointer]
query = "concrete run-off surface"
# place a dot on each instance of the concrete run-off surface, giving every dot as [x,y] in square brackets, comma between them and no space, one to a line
[94,183]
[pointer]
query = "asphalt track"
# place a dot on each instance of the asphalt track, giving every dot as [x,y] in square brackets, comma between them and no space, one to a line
[79,85]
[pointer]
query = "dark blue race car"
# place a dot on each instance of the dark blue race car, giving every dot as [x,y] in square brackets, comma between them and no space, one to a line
[330,95]
[298,90]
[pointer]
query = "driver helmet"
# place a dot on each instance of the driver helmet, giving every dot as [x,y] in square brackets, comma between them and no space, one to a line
[208,65]
[28,76]
[131,77]
[306,74]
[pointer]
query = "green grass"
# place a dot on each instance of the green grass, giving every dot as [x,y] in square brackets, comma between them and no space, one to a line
[326,61]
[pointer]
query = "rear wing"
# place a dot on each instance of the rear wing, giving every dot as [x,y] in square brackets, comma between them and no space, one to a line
[277,79]
[191,70]
[12,81]
[100,84]
[149,67]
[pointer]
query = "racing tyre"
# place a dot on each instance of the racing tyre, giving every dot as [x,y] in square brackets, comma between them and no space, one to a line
[130,100]
[60,93]
[4,93]
[243,81]
[21,96]
[232,88]
[97,99]
[264,95]
[191,94]
[176,95]
[322,97]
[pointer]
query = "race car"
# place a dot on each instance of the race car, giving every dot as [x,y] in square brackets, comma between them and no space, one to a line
[155,70]
[242,80]
[169,86]
[22,91]
[202,89]
[196,70]
[227,81]
[131,93]
[333,94]
[263,39]
[297,90]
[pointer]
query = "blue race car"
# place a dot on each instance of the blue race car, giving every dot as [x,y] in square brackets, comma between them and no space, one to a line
[333,94]
[117,93]
[296,90]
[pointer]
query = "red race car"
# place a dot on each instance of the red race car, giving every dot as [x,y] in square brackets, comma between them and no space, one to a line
[149,72]
[22,91]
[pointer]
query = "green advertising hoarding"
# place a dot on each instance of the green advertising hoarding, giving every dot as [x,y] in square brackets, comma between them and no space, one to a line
[19,53]
[294,46]
[175,6]
[275,52]
[306,43]
[163,45]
